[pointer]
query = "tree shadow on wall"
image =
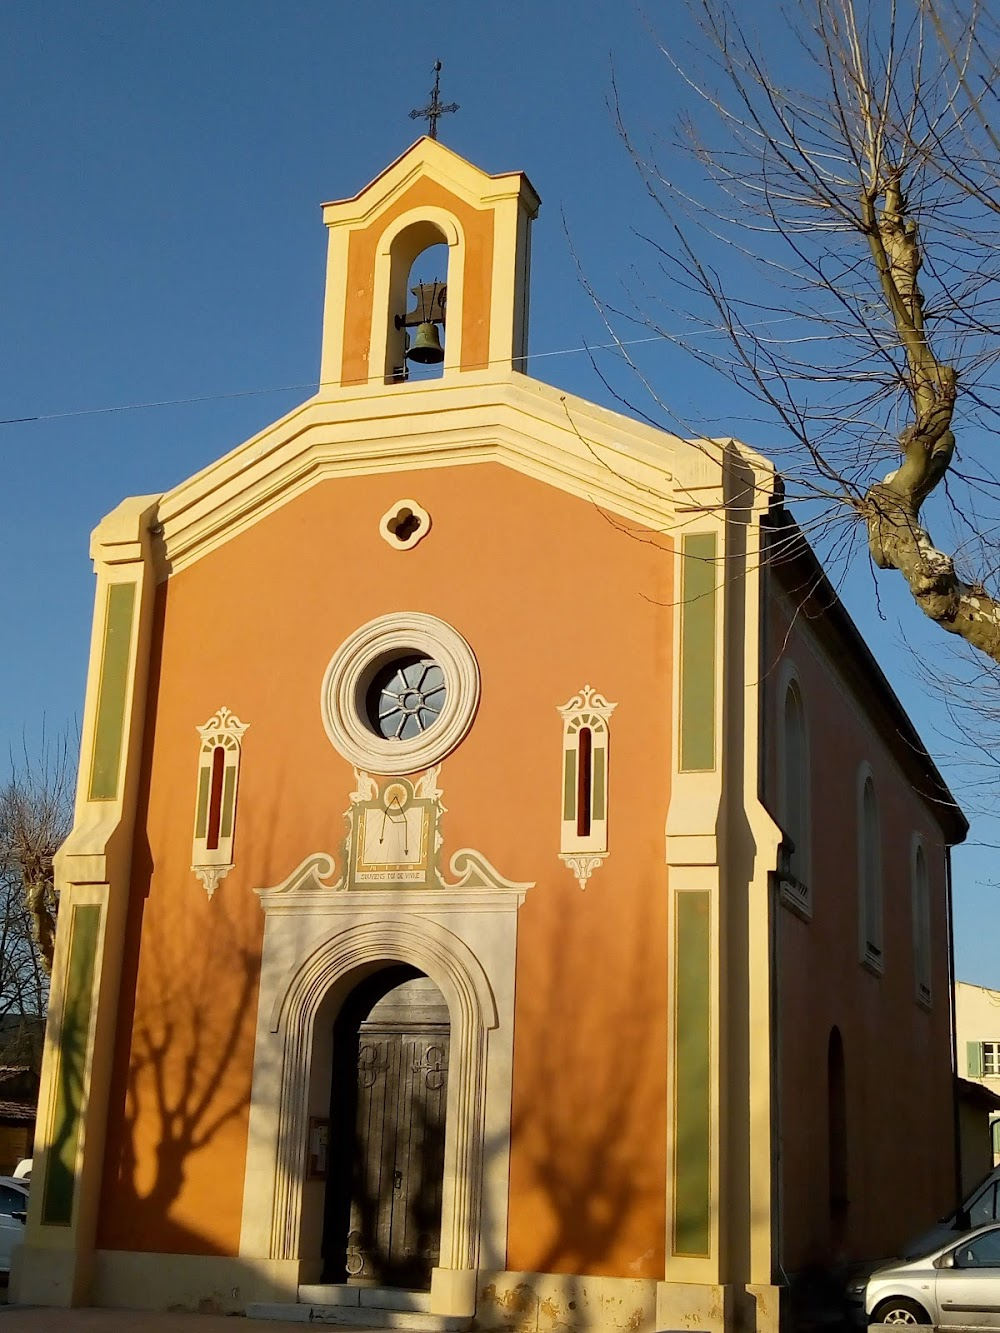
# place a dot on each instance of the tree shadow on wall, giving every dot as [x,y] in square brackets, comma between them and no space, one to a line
[187,1078]
[588,1130]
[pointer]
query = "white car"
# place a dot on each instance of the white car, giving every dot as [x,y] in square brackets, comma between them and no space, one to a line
[13,1210]
[956,1284]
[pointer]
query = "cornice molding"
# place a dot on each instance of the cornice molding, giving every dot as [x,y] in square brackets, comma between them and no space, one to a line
[633,471]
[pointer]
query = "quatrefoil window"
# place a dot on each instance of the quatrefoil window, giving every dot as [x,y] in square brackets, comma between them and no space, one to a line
[405,524]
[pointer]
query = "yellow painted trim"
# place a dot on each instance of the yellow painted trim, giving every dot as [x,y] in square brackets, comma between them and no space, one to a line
[621,466]
[93,867]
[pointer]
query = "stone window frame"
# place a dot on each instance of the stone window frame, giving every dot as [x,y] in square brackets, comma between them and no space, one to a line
[584,852]
[223,731]
[350,671]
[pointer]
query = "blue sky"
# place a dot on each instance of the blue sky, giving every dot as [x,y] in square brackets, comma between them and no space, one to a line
[163,167]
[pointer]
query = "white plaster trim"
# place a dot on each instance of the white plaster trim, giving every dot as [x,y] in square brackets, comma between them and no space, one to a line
[224,722]
[317,944]
[583,864]
[212,876]
[478,883]
[391,516]
[212,864]
[584,854]
[349,674]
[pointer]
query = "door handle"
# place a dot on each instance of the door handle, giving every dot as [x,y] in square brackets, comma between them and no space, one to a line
[397,1180]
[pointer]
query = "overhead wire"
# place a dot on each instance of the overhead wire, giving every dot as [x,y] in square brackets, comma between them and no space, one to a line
[288,388]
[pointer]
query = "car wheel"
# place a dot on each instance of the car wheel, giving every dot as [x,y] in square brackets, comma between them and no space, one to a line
[900,1310]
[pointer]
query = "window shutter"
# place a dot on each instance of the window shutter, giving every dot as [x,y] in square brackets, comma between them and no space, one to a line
[974,1057]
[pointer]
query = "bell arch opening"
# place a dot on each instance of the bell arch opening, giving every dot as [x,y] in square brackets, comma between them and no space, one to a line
[419,264]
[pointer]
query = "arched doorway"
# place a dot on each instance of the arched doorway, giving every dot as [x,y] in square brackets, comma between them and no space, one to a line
[388,1107]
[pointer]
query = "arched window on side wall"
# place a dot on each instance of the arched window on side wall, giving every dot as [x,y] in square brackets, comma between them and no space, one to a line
[870,874]
[794,796]
[921,907]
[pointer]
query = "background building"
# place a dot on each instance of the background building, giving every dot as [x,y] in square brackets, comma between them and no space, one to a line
[977,1042]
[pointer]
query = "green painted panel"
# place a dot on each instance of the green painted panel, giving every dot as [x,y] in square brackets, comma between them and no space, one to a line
[201,820]
[73,1038]
[692,1073]
[597,795]
[569,785]
[698,612]
[113,688]
[228,791]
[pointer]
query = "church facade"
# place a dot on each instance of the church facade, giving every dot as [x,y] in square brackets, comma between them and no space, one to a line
[504,890]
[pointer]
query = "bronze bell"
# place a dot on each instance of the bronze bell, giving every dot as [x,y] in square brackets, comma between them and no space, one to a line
[426,348]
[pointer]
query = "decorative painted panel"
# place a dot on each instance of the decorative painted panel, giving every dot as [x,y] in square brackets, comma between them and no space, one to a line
[215,803]
[586,735]
[109,727]
[73,1040]
[692,1073]
[697,686]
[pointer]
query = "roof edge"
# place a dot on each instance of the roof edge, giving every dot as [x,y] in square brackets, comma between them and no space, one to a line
[438,147]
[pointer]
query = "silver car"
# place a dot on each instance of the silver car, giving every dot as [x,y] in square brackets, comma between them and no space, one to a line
[958,1284]
[13,1208]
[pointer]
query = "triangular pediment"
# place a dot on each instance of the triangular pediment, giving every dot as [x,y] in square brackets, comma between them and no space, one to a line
[429,159]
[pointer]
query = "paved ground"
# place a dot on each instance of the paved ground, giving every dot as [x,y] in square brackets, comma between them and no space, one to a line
[14,1319]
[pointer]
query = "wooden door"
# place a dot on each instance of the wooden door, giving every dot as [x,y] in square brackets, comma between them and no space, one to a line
[388,1188]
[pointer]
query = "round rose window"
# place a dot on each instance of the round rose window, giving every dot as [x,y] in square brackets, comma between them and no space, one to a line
[406,697]
[400,693]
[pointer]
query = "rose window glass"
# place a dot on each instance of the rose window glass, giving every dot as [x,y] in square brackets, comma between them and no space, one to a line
[405,697]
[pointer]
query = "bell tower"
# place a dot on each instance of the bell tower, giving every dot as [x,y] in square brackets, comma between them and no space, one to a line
[429,196]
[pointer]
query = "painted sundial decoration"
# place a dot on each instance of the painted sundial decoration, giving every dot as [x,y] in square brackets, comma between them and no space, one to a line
[393,842]
[393,835]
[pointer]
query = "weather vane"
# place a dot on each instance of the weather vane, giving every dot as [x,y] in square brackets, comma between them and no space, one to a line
[435,108]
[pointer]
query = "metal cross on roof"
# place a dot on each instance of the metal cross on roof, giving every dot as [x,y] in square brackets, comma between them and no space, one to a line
[435,108]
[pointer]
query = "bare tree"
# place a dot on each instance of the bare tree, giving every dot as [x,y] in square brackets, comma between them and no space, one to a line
[35,817]
[832,245]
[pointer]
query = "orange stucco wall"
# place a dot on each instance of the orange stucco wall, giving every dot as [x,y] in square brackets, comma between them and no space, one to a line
[896,1054]
[552,596]
[478,228]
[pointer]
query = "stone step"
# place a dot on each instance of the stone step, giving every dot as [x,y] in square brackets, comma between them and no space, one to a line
[379,1298]
[358,1316]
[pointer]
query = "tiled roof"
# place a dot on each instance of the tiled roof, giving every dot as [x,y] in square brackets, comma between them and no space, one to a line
[16,1111]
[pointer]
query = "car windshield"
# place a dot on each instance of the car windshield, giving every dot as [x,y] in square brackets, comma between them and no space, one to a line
[983,1207]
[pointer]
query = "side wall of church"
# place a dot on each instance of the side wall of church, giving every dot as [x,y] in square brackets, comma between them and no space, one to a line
[897,1176]
[552,595]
